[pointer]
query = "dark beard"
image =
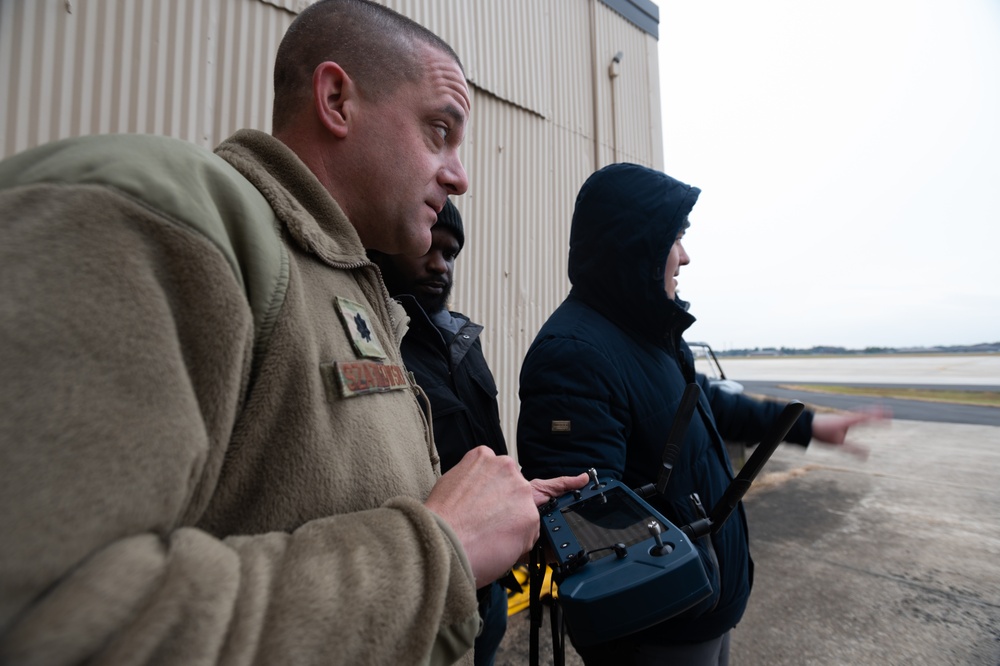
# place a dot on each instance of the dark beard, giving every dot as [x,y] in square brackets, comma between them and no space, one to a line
[434,303]
[396,284]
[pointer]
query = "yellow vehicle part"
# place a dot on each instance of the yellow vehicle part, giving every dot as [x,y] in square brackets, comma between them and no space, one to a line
[519,601]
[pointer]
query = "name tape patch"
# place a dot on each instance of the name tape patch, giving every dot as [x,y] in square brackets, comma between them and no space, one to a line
[355,378]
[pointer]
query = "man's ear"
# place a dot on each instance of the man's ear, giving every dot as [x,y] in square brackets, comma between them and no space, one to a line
[333,94]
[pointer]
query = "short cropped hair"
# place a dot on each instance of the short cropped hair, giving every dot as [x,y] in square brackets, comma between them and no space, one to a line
[372,43]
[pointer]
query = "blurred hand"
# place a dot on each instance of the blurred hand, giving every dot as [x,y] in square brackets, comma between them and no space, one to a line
[493,509]
[832,429]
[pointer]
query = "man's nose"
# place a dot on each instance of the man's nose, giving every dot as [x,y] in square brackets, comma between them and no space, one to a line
[436,262]
[453,176]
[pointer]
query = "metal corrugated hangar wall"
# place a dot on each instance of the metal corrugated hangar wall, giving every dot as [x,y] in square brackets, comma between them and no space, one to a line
[549,106]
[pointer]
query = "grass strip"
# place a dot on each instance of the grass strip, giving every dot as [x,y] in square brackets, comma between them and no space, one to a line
[978,398]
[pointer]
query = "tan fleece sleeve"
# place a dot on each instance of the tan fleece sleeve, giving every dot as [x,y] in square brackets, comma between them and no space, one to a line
[124,348]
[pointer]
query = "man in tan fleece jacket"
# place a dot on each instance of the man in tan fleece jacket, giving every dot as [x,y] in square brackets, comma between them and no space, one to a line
[210,451]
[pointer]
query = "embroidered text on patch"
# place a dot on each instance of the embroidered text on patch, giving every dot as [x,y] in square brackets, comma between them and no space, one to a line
[361,377]
[560,426]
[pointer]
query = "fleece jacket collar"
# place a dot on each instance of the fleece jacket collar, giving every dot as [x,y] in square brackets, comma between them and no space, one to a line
[311,215]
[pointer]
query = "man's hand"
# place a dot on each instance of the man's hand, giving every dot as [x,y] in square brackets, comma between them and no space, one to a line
[493,509]
[832,429]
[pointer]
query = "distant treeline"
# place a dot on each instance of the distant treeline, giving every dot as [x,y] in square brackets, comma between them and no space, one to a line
[984,348]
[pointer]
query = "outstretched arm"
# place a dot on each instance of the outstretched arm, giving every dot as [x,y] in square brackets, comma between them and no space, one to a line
[832,429]
[741,417]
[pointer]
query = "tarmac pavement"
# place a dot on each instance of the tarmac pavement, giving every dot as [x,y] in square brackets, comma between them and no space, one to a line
[911,410]
[914,370]
[895,560]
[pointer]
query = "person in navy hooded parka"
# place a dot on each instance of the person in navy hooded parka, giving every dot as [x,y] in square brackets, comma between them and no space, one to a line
[601,383]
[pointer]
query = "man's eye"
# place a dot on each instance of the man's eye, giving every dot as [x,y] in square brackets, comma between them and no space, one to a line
[442,131]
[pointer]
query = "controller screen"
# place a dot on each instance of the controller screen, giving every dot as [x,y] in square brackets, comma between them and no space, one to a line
[601,521]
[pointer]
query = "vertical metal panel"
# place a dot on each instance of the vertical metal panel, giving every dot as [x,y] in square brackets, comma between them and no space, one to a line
[572,79]
[201,69]
[504,46]
[191,69]
[292,6]
[248,34]
[632,133]
[636,92]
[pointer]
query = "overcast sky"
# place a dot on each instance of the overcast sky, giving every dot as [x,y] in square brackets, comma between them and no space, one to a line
[849,159]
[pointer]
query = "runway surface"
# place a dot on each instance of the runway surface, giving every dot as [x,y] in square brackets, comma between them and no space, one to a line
[908,410]
[766,376]
[955,369]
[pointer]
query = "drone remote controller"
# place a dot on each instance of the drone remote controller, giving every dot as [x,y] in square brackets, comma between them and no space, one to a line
[619,564]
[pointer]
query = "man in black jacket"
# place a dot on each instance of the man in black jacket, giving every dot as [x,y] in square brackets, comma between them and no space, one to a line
[443,351]
[603,379]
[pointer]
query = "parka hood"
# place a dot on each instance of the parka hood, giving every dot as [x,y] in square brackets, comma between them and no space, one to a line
[626,219]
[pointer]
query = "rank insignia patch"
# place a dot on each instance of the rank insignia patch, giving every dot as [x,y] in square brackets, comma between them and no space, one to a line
[359,326]
[561,426]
